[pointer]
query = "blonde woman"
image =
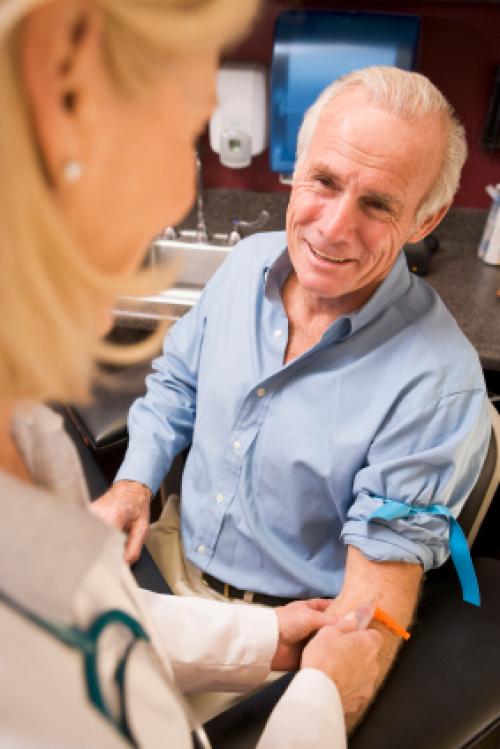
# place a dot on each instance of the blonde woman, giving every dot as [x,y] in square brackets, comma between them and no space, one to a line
[101,101]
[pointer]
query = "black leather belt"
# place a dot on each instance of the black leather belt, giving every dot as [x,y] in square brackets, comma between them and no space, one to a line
[229,591]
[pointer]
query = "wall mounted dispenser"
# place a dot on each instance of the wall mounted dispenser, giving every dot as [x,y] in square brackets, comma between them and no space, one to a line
[314,48]
[238,126]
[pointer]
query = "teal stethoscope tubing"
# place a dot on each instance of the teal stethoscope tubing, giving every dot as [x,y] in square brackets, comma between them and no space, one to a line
[86,641]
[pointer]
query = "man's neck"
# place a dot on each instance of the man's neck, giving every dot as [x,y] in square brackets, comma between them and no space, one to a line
[314,310]
[310,316]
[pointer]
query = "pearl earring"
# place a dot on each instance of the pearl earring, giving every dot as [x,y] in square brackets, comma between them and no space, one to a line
[72,170]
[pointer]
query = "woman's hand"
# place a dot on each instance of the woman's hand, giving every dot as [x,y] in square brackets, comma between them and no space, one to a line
[297,621]
[126,506]
[350,659]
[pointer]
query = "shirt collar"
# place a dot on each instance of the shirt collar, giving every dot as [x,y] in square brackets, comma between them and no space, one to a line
[392,287]
[275,275]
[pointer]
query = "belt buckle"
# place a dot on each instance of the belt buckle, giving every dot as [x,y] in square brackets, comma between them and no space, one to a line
[204,580]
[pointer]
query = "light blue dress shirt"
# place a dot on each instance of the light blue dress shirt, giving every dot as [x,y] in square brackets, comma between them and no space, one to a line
[288,462]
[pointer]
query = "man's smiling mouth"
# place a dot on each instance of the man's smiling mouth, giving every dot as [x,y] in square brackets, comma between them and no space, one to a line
[329,258]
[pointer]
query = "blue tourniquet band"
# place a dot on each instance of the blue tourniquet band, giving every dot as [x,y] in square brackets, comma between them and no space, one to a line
[459,549]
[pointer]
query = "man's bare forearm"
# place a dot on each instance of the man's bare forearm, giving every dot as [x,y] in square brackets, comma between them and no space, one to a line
[395,588]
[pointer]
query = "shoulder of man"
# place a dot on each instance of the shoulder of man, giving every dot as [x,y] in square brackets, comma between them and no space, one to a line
[245,263]
[434,336]
[263,246]
[259,249]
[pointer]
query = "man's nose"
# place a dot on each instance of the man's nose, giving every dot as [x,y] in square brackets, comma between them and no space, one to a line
[338,219]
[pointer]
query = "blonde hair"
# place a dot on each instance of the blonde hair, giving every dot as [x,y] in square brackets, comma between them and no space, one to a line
[410,96]
[48,289]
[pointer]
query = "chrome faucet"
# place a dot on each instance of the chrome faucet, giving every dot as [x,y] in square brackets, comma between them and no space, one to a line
[201,224]
[235,233]
[200,234]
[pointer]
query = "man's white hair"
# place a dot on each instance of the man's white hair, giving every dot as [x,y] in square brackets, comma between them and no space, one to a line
[410,96]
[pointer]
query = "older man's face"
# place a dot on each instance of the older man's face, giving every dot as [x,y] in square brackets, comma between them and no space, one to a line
[355,196]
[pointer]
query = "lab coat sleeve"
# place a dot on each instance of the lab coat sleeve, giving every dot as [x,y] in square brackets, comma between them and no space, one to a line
[308,716]
[212,645]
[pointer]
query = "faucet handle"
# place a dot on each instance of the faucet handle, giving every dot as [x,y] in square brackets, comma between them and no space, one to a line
[252,226]
[233,237]
[248,227]
[169,232]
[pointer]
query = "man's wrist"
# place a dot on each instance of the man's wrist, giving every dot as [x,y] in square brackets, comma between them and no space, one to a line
[136,487]
[276,637]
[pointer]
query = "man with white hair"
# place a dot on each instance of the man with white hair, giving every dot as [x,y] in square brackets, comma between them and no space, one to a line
[336,414]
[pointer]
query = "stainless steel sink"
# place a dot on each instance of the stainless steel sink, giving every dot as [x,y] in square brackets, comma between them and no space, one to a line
[200,256]
[199,261]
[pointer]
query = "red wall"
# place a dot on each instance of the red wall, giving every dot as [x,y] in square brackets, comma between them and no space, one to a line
[460,47]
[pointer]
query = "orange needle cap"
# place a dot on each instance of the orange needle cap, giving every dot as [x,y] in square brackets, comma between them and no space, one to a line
[382,616]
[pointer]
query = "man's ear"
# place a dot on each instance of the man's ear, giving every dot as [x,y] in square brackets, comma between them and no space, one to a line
[58,46]
[428,224]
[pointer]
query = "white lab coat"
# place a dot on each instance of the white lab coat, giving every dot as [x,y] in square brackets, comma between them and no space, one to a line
[62,563]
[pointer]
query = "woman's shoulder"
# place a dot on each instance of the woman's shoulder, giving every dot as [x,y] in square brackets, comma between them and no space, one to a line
[46,547]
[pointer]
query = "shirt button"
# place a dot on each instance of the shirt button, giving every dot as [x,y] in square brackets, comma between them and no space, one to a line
[277,333]
[236,444]
[201,549]
[261,392]
[219,498]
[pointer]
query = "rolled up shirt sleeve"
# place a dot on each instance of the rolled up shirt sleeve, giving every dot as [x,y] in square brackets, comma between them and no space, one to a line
[430,455]
[161,423]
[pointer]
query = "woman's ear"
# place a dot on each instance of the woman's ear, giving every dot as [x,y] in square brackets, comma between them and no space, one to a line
[428,224]
[58,63]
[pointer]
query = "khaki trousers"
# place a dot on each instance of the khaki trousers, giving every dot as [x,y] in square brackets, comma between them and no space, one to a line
[184,579]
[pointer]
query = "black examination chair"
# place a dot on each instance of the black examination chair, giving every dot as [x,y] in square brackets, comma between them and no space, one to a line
[444,690]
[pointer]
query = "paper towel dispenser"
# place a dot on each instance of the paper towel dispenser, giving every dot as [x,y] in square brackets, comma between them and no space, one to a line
[313,48]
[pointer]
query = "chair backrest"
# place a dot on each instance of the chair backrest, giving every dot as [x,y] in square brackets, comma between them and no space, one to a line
[481,496]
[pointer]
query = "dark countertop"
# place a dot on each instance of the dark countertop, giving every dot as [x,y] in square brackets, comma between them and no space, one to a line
[466,285]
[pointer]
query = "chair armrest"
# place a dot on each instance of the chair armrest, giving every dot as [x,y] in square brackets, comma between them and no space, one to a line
[97,483]
[147,575]
[444,690]
[102,423]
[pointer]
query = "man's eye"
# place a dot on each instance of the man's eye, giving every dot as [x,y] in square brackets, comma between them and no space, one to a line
[377,205]
[325,181]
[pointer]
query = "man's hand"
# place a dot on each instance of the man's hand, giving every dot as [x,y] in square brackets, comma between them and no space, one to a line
[126,506]
[297,621]
[350,659]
